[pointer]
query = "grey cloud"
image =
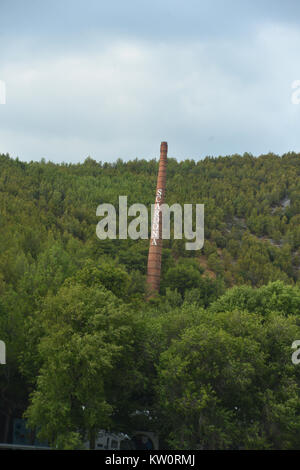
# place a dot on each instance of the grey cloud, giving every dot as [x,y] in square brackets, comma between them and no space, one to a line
[111,95]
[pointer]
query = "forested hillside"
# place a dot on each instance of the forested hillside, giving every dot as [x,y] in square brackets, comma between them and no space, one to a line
[208,362]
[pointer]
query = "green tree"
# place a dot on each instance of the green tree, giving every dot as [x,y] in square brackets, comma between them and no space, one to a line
[229,383]
[88,335]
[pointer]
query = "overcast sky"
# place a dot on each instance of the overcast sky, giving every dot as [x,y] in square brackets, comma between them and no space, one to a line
[113,79]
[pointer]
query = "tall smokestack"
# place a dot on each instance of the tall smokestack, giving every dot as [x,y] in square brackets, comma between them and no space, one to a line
[155,249]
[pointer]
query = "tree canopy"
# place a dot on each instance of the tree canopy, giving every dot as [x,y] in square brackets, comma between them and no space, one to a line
[206,363]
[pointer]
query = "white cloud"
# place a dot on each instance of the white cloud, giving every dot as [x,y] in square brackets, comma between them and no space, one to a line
[120,99]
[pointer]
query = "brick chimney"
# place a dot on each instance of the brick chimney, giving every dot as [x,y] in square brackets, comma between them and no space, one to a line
[155,248]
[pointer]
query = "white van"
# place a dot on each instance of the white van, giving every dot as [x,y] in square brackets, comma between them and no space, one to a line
[140,440]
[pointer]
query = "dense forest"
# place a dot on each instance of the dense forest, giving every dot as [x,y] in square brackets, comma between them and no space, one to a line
[207,362]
